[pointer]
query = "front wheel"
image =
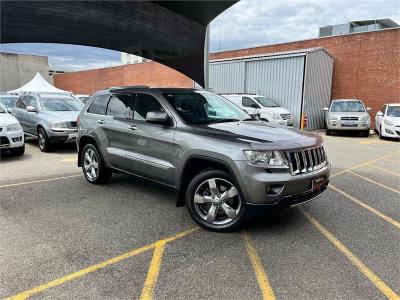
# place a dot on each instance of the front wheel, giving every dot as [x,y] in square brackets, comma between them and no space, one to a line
[93,166]
[43,140]
[366,133]
[214,202]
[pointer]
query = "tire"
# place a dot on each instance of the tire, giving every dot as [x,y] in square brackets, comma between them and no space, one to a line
[211,209]
[380,133]
[365,133]
[93,166]
[43,140]
[19,151]
[328,132]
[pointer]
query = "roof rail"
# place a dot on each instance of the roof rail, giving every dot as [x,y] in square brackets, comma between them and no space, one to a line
[128,87]
[238,94]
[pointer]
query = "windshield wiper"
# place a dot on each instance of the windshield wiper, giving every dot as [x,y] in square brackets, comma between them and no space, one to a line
[224,121]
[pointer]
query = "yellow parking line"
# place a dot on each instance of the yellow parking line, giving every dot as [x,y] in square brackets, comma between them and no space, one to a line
[90,269]
[386,290]
[38,181]
[261,275]
[375,182]
[371,209]
[384,170]
[392,160]
[364,163]
[154,270]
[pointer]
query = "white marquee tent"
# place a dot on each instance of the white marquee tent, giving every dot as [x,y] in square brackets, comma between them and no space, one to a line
[40,85]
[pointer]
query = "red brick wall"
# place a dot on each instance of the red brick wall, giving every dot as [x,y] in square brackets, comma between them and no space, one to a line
[148,73]
[366,65]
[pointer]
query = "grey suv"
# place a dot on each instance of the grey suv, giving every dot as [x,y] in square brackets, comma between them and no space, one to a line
[223,162]
[49,116]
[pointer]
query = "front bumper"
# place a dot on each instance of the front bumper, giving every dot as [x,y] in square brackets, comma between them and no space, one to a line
[278,188]
[348,125]
[62,136]
[391,131]
[9,140]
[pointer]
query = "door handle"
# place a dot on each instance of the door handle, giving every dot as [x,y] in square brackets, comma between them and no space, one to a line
[132,127]
[100,121]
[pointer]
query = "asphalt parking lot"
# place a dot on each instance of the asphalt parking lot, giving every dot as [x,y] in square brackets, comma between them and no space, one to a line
[62,238]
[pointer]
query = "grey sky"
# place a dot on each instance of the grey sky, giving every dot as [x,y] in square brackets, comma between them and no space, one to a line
[248,23]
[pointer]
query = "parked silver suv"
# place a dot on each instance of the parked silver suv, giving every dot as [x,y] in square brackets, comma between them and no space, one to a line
[347,115]
[223,162]
[50,117]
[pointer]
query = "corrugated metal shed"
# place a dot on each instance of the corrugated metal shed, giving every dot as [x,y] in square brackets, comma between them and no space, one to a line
[298,80]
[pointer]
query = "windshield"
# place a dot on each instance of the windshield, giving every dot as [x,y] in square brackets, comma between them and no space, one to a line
[393,111]
[8,101]
[60,104]
[204,108]
[2,110]
[266,102]
[347,106]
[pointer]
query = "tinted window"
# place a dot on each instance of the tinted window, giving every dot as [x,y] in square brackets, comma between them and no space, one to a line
[143,104]
[33,102]
[393,111]
[204,108]
[8,101]
[247,102]
[19,103]
[24,102]
[99,105]
[347,106]
[119,107]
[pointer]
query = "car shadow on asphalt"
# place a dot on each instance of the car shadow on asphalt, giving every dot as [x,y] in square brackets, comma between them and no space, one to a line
[69,148]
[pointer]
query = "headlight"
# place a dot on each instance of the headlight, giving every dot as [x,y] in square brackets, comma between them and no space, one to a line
[265,158]
[365,118]
[333,118]
[55,125]
[388,123]
[275,116]
[14,127]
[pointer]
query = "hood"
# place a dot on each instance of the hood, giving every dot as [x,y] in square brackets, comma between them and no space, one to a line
[260,135]
[63,116]
[395,120]
[7,119]
[277,110]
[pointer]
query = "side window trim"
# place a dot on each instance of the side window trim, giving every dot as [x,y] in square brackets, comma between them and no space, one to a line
[94,99]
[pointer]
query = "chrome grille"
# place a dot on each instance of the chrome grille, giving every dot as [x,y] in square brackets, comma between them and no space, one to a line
[306,160]
[286,116]
[349,118]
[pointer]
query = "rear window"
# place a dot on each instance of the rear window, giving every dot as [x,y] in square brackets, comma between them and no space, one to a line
[99,105]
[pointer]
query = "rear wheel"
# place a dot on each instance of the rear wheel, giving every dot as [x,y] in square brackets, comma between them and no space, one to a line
[43,140]
[214,202]
[93,166]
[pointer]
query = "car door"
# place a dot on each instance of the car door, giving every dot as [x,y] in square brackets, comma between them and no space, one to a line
[22,114]
[250,106]
[150,146]
[31,118]
[115,128]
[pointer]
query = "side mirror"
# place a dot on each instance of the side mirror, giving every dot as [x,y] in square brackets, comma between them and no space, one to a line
[31,109]
[255,106]
[379,113]
[158,117]
[326,108]
[368,108]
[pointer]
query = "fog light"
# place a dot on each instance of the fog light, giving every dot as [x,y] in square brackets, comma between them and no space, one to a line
[17,139]
[274,189]
[389,131]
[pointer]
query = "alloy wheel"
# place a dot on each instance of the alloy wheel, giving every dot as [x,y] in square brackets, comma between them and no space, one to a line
[217,201]
[42,141]
[91,164]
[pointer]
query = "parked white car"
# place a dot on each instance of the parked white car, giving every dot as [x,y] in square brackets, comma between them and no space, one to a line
[387,121]
[11,133]
[262,108]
